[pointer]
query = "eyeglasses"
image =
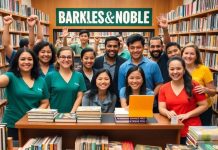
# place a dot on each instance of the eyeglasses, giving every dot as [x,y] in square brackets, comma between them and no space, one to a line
[64,57]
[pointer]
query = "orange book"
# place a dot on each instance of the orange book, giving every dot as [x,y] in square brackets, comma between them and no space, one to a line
[141,105]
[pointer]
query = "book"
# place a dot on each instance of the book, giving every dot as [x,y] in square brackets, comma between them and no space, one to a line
[207,146]
[205,133]
[179,147]
[65,117]
[88,109]
[147,147]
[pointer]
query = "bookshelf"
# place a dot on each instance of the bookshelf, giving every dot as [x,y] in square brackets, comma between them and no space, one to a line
[148,33]
[161,130]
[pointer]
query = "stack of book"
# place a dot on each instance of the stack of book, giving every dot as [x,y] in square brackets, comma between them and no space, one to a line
[122,116]
[88,114]
[91,143]
[65,117]
[3,136]
[200,136]
[46,143]
[42,115]
[179,147]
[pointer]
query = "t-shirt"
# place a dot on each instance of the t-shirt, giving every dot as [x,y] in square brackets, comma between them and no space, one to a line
[21,98]
[203,75]
[63,94]
[50,69]
[125,54]
[181,104]
[77,48]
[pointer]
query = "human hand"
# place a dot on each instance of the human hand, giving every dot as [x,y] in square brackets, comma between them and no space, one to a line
[162,21]
[65,32]
[182,117]
[170,114]
[200,89]
[32,20]
[8,20]
[97,39]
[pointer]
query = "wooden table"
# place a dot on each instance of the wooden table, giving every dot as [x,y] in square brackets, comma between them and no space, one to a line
[158,133]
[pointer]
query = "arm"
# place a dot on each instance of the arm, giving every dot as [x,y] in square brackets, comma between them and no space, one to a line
[77,102]
[208,89]
[157,88]
[44,103]
[65,33]
[163,23]
[39,35]
[4,80]
[202,106]
[123,103]
[6,40]
[163,110]
[97,40]
[85,100]
[31,22]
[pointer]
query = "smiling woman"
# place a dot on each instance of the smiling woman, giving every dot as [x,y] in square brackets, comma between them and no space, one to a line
[65,85]
[24,89]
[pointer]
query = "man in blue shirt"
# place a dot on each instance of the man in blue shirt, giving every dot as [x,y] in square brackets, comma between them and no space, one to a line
[152,72]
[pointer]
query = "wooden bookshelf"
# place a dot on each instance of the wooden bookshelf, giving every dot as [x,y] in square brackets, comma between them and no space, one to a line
[156,133]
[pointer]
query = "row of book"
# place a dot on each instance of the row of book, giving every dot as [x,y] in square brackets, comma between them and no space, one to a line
[23,10]
[203,136]
[3,137]
[203,41]
[2,59]
[46,143]
[210,59]
[197,6]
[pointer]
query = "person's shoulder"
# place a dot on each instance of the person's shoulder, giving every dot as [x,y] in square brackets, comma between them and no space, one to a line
[166,85]
[77,73]
[51,73]
[99,58]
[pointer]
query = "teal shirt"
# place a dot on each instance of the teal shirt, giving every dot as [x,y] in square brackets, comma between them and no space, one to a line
[125,54]
[21,98]
[77,48]
[63,94]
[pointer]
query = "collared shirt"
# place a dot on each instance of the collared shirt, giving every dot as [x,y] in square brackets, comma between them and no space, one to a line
[109,67]
[77,48]
[107,105]
[152,72]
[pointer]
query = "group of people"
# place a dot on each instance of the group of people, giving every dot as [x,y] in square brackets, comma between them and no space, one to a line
[41,77]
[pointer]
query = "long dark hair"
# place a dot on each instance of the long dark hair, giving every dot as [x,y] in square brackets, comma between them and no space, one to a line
[129,89]
[94,88]
[15,68]
[39,46]
[186,76]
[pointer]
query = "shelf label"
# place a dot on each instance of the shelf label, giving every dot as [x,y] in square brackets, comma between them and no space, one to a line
[104,16]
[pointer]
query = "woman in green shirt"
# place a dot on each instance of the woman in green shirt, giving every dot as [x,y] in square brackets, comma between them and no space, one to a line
[24,89]
[65,85]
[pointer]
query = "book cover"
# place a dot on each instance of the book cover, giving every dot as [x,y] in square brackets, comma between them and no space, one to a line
[65,117]
[147,147]
[206,133]
[179,147]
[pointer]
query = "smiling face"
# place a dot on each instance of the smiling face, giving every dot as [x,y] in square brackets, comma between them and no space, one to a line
[25,62]
[65,59]
[176,70]
[135,80]
[84,38]
[88,60]
[45,55]
[136,50]
[103,81]
[155,49]
[173,51]
[112,48]
[189,55]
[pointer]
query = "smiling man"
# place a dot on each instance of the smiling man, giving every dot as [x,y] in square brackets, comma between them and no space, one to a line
[110,60]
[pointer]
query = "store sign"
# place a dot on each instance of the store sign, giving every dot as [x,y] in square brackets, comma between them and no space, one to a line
[103,16]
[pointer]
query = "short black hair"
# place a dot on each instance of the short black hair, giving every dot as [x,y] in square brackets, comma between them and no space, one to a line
[24,42]
[111,38]
[172,44]
[84,31]
[155,38]
[135,37]
[39,46]
[15,67]
[85,50]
